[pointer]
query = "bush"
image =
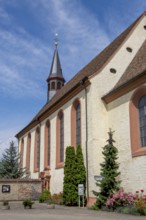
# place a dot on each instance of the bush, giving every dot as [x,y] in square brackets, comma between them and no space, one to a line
[45,195]
[5,203]
[28,202]
[120,199]
[57,198]
[140,202]
[127,203]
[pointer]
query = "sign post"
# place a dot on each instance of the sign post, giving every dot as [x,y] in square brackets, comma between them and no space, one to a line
[81,193]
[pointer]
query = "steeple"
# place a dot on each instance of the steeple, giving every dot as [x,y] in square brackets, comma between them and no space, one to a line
[55,80]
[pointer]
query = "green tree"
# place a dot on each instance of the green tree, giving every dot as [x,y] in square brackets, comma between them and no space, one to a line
[80,168]
[109,172]
[70,195]
[10,167]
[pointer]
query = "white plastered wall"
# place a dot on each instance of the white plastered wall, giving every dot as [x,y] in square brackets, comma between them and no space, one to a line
[100,118]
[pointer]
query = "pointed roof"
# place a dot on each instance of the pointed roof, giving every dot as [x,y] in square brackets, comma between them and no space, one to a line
[56,70]
[93,67]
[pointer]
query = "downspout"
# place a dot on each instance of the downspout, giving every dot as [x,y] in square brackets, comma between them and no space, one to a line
[86,119]
[82,82]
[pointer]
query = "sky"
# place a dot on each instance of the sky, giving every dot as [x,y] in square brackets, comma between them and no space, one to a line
[27,30]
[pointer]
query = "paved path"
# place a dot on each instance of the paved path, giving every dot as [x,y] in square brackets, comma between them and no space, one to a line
[41,212]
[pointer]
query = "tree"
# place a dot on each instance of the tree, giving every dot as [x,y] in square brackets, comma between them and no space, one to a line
[109,172]
[70,195]
[10,167]
[80,168]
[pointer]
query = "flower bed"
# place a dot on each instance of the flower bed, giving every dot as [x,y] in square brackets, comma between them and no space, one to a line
[127,203]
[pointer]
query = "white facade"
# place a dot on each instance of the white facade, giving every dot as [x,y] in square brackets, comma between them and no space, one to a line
[100,117]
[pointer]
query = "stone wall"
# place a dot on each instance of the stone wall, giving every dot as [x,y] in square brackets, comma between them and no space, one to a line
[20,189]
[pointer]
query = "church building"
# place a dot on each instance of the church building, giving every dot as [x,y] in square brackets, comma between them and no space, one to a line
[109,92]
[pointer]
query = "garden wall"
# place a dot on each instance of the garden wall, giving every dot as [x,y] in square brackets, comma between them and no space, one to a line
[20,189]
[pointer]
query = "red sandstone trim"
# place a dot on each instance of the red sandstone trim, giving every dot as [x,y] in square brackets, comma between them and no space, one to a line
[91,201]
[28,153]
[58,163]
[136,148]
[21,152]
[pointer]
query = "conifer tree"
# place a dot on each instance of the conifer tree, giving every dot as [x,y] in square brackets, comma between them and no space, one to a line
[80,167]
[70,195]
[109,172]
[80,170]
[10,167]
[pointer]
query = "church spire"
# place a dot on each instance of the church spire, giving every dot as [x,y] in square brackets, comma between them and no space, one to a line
[55,79]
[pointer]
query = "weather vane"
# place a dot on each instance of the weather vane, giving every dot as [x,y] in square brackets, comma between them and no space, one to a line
[56,40]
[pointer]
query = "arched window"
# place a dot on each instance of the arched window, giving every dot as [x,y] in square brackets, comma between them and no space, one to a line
[137,111]
[28,153]
[60,140]
[37,151]
[59,85]
[53,85]
[76,123]
[142,120]
[21,152]
[49,86]
[47,145]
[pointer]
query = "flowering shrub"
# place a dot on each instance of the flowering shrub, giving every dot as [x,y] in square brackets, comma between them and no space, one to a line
[120,199]
[140,202]
[58,198]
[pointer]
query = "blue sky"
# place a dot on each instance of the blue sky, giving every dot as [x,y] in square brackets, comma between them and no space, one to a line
[27,30]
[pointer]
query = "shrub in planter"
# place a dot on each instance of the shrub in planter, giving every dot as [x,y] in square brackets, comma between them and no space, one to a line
[28,203]
[44,196]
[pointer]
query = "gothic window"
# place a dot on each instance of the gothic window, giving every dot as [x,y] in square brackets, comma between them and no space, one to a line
[37,151]
[38,148]
[137,111]
[76,123]
[53,85]
[59,85]
[142,120]
[22,152]
[60,140]
[28,152]
[47,145]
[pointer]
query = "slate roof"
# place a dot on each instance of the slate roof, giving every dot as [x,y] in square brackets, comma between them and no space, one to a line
[56,70]
[94,66]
